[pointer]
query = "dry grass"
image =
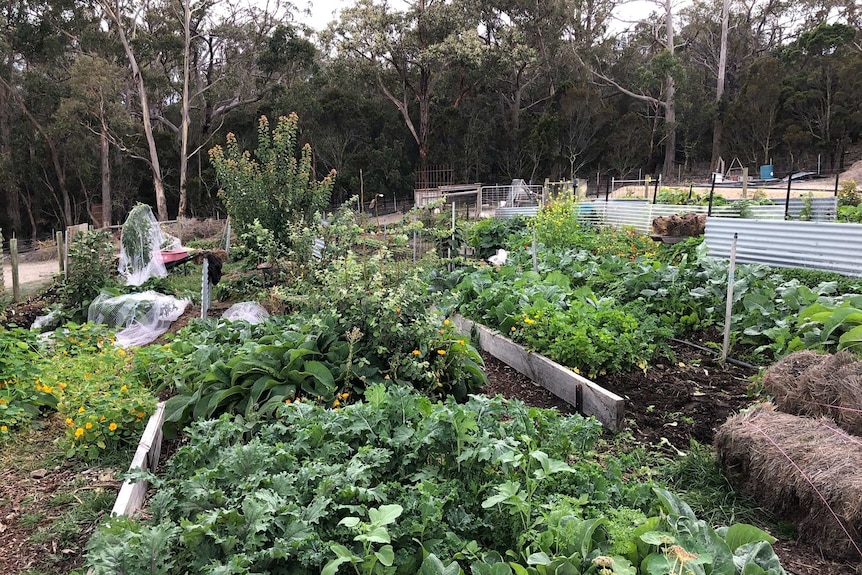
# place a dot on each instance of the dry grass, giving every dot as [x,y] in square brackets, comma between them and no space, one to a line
[805,470]
[188,229]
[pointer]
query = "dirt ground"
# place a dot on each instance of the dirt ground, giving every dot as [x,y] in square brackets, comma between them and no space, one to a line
[31,275]
[665,407]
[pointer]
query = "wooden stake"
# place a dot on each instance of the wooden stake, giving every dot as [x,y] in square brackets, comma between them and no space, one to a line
[58,238]
[13,252]
[728,309]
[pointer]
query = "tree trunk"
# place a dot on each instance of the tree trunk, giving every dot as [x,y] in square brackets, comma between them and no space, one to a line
[718,124]
[106,175]
[7,180]
[184,124]
[158,183]
[669,101]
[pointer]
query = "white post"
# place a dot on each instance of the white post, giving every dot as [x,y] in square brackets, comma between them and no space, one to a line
[227,238]
[535,256]
[729,307]
[206,288]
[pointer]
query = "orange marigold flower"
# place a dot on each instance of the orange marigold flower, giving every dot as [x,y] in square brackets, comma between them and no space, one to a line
[112,426]
[88,425]
[441,351]
[417,352]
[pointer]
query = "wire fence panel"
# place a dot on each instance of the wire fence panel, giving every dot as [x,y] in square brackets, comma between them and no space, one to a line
[823,246]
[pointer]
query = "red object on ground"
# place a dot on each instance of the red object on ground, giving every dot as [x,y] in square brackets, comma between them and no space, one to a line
[173,255]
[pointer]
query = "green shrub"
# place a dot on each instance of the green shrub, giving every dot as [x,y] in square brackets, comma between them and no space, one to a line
[489,235]
[275,188]
[848,195]
[92,266]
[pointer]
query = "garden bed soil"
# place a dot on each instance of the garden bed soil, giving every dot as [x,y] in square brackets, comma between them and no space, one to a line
[665,407]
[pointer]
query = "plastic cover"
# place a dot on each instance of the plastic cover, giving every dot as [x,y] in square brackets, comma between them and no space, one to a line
[48,321]
[246,311]
[141,243]
[145,315]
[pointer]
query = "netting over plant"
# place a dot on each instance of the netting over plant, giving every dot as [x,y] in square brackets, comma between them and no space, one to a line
[145,315]
[141,244]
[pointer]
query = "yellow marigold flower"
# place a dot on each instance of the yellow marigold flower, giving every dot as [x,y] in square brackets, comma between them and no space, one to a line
[441,351]
[47,388]
[88,425]
[103,418]
[121,352]
[447,322]
[62,386]
[124,388]
[69,421]
[336,403]
[345,395]
[112,426]
[79,432]
[397,310]
[460,342]
[141,414]
[81,409]
[2,401]
[3,428]
[513,328]
[88,375]
[417,352]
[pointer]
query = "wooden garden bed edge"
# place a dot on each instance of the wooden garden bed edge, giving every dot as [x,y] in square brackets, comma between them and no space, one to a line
[586,396]
[131,495]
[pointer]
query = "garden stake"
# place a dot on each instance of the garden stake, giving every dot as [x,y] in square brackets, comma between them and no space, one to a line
[729,307]
[13,253]
[787,199]
[227,238]
[690,189]
[655,190]
[608,189]
[837,174]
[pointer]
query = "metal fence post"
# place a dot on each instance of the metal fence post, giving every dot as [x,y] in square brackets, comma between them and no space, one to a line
[787,199]
[711,193]
[837,175]
[608,189]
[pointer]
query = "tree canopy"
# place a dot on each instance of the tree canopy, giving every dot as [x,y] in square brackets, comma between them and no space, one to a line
[107,103]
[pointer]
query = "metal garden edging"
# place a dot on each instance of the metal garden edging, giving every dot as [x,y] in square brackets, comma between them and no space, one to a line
[822,246]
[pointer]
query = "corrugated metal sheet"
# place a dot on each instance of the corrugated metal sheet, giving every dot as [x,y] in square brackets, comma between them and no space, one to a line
[640,214]
[526,212]
[823,209]
[824,246]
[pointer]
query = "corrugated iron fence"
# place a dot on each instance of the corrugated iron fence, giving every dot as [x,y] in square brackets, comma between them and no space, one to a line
[824,246]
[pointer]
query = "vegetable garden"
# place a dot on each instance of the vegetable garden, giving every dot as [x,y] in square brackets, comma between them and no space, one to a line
[348,432]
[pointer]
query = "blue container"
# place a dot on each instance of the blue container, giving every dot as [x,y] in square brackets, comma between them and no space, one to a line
[766,172]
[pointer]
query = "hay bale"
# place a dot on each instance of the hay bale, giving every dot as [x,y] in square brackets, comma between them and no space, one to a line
[805,383]
[786,463]
[783,375]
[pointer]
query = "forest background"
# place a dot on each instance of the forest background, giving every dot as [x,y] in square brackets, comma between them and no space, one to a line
[106,103]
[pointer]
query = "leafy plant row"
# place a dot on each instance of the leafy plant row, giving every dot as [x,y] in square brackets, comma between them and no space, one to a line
[400,484]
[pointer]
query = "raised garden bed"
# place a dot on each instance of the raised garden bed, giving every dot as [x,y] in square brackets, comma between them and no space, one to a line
[586,396]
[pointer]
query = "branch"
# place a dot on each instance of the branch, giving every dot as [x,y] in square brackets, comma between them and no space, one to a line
[629,93]
[165,122]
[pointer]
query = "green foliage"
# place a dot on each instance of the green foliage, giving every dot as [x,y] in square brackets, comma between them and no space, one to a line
[488,235]
[80,374]
[850,213]
[275,188]
[91,267]
[848,195]
[398,484]
[137,236]
[807,211]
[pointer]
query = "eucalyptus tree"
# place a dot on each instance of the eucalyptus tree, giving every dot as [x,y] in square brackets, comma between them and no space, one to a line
[408,54]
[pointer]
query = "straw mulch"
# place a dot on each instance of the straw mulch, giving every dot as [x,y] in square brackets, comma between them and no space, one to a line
[800,468]
[808,383]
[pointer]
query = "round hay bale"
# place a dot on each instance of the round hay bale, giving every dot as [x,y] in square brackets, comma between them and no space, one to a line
[805,470]
[834,389]
[807,383]
[783,375]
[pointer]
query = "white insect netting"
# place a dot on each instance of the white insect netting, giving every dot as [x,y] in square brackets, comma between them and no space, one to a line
[141,244]
[145,315]
[246,311]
